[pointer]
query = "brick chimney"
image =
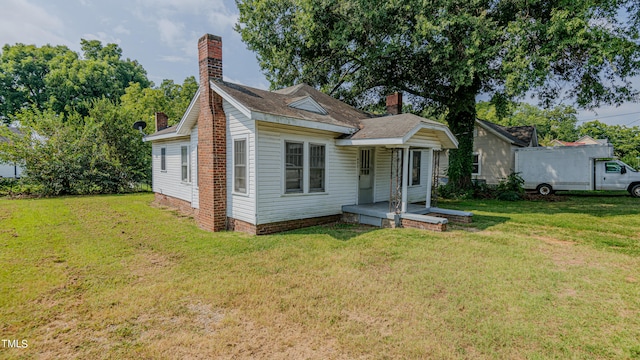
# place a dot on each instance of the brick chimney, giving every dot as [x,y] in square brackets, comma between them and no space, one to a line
[394,104]
[162,121]
[212,139]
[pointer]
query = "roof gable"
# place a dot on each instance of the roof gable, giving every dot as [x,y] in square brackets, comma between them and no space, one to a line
[398,130]
[522,136]
[307,103]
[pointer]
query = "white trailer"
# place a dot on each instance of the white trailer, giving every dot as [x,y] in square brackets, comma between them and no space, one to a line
[586,167]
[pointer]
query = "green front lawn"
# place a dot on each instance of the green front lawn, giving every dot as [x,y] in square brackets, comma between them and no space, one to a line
[112,277]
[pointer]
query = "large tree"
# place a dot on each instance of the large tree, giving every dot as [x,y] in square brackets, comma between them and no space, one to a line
[447,52]
[58,79]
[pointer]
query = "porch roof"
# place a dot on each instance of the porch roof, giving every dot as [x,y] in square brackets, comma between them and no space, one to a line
[398,130]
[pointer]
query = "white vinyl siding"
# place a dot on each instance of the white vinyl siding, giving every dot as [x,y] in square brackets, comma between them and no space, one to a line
[340,173]
[169,181]
[241,206]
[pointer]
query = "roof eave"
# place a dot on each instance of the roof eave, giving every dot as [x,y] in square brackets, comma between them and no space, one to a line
[190,116]
[233,101]
[316,125]
[496,133]
[369,142]
[171,135]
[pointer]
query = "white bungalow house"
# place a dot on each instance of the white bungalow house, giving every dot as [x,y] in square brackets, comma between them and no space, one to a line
[266,161]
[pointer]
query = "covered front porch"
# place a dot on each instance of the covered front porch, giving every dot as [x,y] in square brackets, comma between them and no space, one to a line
[395,173]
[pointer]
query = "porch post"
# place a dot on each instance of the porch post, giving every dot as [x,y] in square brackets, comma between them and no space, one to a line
[427,202]
[405,178]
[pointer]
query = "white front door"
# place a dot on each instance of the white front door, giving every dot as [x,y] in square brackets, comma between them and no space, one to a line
[365,177]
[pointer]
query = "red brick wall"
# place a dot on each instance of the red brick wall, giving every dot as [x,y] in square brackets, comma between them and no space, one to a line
[212,139]
[182,206]
[407,223]
[280,226]
[242,226]
[454,218]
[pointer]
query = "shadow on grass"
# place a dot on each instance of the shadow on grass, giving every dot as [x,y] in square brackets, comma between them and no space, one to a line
[344,232]
[600,205]
[339,231]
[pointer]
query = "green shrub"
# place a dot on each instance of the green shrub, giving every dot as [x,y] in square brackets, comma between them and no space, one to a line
[509,189]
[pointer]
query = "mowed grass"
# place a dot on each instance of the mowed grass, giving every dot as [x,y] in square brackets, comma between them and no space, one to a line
[113,277]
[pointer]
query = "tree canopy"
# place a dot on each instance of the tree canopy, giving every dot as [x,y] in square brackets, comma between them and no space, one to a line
[625,140]
[58,79]
[558,122]
[75,115]
[446,52]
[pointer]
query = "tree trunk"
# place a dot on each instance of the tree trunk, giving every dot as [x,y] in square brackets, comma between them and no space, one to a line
[461,119]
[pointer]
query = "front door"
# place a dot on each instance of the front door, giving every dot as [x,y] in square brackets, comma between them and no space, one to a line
[365,176]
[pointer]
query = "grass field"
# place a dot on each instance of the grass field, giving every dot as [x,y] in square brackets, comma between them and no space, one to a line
[112,277]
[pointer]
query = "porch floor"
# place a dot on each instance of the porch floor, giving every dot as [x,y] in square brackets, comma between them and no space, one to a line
[378,214]
[381,209]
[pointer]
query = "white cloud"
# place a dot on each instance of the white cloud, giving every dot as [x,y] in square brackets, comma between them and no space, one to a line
[222,21]
[171,32]
[104,38]
[120,29]
[21,21]
[175,59]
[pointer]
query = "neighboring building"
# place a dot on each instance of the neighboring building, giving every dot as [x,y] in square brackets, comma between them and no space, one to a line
[266,161]
[10,170]
[585,140]
[494,150]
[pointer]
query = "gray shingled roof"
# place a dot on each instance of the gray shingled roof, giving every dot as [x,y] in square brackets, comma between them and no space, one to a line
[277,103]
[519,135]
[169,130]
[393,126]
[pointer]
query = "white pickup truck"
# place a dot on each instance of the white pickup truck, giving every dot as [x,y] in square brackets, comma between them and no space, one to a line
[586,167]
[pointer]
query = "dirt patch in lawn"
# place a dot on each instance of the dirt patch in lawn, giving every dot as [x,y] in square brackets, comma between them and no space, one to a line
[563,253]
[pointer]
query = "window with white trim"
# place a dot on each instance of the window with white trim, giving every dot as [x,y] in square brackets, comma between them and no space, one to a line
[294,167]
[163,159]
[316,167]
[240,166]
[416,161]
[475,166]
[185,165]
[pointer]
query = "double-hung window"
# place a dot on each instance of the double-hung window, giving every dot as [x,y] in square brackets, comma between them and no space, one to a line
[305,167]
[416,157]
[475,166]
[294,162]
[240,166]
[185,164]
[316,167]
[163,159]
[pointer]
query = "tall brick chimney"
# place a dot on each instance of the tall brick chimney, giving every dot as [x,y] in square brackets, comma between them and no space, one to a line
[162,121]
[212,139]
[394,104]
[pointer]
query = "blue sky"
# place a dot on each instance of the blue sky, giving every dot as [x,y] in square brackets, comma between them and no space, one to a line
[162,35]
